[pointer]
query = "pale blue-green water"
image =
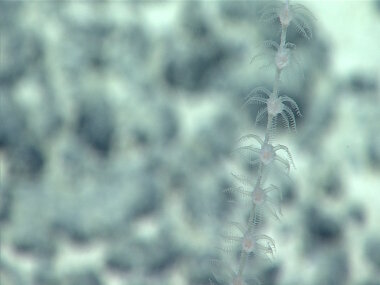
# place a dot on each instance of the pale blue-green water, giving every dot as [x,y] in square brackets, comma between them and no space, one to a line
[118,121]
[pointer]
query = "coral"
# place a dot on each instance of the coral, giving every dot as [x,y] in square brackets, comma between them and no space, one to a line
[250,238]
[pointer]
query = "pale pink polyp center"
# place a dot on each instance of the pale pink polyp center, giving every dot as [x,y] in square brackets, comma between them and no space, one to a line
[238,281]
[266,155]
[282,59]
[274,106]
[285,16]
[258,197]
[248,244]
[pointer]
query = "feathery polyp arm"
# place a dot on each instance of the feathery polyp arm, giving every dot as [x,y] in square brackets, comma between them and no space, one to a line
[286,149]
[256,137]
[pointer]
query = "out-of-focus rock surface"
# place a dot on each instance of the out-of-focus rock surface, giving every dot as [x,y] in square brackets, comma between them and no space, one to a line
[117,122]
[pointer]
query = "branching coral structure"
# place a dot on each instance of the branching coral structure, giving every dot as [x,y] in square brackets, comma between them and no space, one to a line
[264,197]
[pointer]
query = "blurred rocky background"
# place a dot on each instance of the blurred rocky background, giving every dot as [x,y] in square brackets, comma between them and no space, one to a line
[117,121]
